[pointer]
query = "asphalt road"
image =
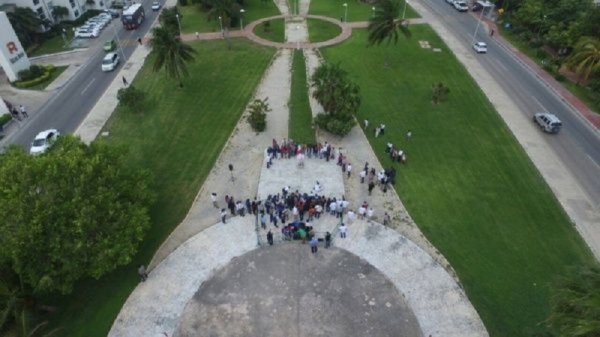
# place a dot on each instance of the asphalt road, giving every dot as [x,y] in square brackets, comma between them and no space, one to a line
[67,109]
[578,143]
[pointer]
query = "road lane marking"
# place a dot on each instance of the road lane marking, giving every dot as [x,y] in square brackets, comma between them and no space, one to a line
[540,104]
[87,86]
[593,161]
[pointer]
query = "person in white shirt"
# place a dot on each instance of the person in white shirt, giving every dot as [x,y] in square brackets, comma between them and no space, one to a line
[343,230]
[362,175]
[333,207]
[361,212]
[351,216]
[349,169]
[370,213]
[318,210]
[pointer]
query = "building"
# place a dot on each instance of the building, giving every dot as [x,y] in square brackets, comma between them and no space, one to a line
[44,8]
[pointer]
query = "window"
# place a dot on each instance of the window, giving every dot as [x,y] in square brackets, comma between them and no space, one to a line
[76,13]
[36,2]
[72,3]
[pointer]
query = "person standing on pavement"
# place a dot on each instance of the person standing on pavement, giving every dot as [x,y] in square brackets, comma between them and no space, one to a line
[386,219]
[343,230]
[313,245]
[327,240]
[23,111]
[270,238]
[125,83]
[15,113]
[371,187]
[223,215]
[213,197]
[349,169]
[143,273]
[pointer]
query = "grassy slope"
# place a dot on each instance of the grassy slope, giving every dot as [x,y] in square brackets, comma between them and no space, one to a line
[468,184]
[357,11]
[319,30]
[195,20]
[276,32]
[177,138]
[52,45]
[300,125]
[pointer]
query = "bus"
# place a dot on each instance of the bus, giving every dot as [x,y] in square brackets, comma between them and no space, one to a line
[133,16]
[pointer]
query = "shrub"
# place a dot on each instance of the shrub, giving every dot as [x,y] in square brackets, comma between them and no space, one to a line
[548,67]
[258,114]
[335,123]
[4,119]
[183,2]
[594,85]
[560,77]
[132,98]
[44,74]
[439,92]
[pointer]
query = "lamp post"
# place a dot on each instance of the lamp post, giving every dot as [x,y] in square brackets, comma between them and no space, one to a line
[242,11]
[345,12]
[119,43]
[373,11]
[404,10]
[541,25]
[477,27]
[178,23]
[221,25]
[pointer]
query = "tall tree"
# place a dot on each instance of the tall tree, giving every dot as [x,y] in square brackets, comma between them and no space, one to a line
[74,212]
[168,19]
[25,23]
[576,304]
[386,23]
[59,11]
[585,58]
[170,53]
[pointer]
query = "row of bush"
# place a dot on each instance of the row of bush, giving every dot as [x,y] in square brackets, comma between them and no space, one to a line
[34,75]
[4,119]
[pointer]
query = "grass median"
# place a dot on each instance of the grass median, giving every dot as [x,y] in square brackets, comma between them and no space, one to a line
[272,30]
[178,138]
[468,184]
[356,11]
[195,19]
[300,125]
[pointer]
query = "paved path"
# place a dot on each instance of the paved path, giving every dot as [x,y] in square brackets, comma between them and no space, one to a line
[437,301]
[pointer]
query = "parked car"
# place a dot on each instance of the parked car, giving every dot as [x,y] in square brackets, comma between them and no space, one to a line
[480,47]
[461,6]
[450,2]
[110,62]
[109,45]
[87,33]
[155,5]
[548,122]
[112,12]
[43,141]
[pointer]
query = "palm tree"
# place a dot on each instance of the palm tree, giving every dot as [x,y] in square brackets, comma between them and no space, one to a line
[386,23]
[168,19]
[171,53]
[586,57]
[226,10]
[25,23]
[576,304]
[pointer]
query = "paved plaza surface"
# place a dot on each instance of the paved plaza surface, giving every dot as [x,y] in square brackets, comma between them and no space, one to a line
[285,290]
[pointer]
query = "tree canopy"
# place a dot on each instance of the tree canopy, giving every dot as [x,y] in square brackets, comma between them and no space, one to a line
[73,212]
[339,96]
[386,24]
[170,53]
[25,23]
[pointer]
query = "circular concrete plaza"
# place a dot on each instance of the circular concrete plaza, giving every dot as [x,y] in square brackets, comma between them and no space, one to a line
[284,290]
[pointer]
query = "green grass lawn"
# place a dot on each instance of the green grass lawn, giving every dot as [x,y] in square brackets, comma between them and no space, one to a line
[195,20]
[178,138]
[357,11]
[52,45]
[319,30]
[275,32]
[468,184]
[300,125]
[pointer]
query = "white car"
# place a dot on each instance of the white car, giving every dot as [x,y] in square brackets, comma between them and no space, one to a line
[547,121]
[43,141]
[461,6]
[87,32]
[480,47]
[110,62]
[155,5]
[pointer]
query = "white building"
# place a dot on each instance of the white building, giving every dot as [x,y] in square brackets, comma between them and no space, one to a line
[44,8]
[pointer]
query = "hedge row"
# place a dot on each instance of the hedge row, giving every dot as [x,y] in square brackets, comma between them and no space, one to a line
[28,84]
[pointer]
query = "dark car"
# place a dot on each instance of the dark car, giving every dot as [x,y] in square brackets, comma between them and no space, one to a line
[476,7]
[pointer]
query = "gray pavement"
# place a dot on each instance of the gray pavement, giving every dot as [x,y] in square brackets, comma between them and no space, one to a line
[285,290]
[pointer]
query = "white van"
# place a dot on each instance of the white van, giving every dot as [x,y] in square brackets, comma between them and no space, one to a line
[548,122]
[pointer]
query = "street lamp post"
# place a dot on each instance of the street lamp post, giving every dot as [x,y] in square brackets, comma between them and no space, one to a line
[119,43]
[477,27]
[373,11]
[242,11]
[178,23]
[221,25]
[345,12]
